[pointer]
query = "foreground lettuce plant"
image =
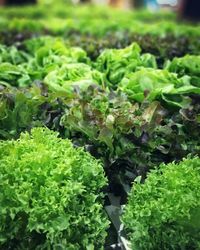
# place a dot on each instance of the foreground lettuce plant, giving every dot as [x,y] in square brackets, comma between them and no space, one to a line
[164,212]
[50,194]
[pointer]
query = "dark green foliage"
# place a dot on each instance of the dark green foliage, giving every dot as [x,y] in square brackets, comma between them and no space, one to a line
[120,132]
[141,135]
[24,109]
[162,48]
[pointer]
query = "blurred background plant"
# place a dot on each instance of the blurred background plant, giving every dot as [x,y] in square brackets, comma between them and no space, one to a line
[186,9]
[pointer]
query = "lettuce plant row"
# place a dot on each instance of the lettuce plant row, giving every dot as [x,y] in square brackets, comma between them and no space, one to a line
[158,33]
[71,92]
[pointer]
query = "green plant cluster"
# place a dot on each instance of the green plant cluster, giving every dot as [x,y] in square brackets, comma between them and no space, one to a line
[121,106]
[62,67]
[187,65]
[164,212]
[151,84]
[127,91]
[51,194]
[85,26]
[86,19]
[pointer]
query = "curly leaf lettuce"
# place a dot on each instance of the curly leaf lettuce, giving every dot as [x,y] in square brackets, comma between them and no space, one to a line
[50,194]
[164,212]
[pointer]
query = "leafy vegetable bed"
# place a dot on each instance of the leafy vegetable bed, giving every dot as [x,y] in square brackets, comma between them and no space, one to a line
[135,107]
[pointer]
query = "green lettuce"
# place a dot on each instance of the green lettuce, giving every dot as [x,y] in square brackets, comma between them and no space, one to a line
[150,84]
[50,54]
[70,75]
[164,212]
[115,63]
[50,194]
[187,65]
[13,75]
